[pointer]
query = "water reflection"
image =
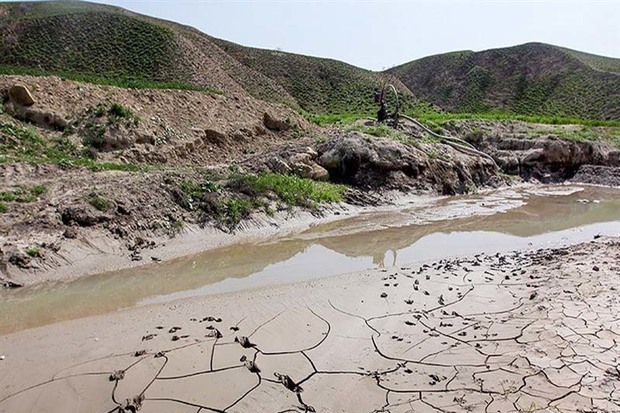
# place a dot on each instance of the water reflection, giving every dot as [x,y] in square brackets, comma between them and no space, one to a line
[450,226]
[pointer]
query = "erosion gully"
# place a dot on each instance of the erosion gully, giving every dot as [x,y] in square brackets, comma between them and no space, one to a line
[489,222]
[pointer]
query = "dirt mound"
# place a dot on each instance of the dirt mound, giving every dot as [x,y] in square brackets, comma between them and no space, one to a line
[154,126]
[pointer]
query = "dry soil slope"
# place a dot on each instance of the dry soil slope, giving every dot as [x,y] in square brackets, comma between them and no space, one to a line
[533,78]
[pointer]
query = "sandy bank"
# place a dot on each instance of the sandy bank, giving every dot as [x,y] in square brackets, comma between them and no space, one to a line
[508,332]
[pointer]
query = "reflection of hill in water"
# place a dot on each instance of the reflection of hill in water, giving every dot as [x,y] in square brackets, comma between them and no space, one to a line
[109,292]
[539,216]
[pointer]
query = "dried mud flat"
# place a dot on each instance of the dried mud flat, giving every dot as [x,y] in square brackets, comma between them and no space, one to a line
[520,332]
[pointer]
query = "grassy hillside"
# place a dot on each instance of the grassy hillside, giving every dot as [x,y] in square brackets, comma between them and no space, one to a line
[91,42]
[105,44]
[319,85]
[602,63]
[528,79]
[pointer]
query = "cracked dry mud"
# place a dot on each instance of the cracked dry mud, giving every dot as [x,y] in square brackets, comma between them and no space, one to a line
[519,332]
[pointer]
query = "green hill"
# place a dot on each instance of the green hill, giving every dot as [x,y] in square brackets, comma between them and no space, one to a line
[530,79]
[107,44]
[110,45]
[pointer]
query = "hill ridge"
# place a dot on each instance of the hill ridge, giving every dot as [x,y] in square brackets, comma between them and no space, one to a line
[96,42]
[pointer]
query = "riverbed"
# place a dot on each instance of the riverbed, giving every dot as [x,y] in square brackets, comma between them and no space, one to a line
[426,229]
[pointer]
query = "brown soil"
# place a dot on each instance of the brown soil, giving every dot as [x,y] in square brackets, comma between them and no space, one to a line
[523,331]
[173,123]
[195,136]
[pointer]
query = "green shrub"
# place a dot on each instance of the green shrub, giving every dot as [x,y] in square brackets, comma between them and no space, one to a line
[236,209]
[8,196]
[99,203]
[24,144]
[38,190]
[3,208]
[33,252]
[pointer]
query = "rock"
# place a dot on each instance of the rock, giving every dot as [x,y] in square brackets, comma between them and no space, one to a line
[244,342]
[251,366]
[117,375]
[11,284]
[20,95]
[40,117]
[287,382]
[598,175]
[70,233]
[546,158]
[310,171]
[82,216]
[20,259]
[278,165]
[274,124]
[214,136]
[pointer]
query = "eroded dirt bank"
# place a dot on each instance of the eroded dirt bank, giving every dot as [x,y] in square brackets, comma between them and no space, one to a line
[523,331]
[96,178]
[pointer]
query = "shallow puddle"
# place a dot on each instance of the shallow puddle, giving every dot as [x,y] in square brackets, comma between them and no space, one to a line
[491,222]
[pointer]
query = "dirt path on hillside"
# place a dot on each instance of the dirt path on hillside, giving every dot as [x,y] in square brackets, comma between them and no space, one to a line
[521,332]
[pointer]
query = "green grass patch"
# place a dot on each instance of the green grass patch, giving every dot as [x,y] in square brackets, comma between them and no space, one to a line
[590,134]
[23,144]
[341,119]
[122,82]
[234,210]
[33,252]
[3,208]
[38,190]
[99,203]
[230,203]
[381,131]
[290,189]
[441,117]
[23,195]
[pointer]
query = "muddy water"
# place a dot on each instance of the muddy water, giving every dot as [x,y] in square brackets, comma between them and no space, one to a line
[490,222]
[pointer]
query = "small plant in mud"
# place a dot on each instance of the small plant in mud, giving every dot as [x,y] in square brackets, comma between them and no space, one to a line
[475,133]
[33,252]
[38,190]
[94,125]
[20,195]
[234,210]
[116,114]
[193,192]
[3,208]
[99,203]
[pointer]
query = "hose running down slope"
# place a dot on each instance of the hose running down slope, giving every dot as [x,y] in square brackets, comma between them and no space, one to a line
[458,144]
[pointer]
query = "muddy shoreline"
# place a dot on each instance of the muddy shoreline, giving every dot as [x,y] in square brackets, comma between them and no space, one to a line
[96,252]
[494,332]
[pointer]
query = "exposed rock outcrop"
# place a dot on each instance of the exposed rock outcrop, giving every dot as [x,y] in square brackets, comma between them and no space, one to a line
[548,158]
[20,95]
[598,175]
[382,163]
[274,124]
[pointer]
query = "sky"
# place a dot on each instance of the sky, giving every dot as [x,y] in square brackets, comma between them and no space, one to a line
[380,34]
